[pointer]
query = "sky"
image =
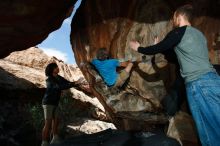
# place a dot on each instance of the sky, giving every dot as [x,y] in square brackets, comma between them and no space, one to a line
[58,42]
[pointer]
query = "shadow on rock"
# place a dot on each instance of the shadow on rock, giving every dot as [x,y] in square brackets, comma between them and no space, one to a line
[111,137]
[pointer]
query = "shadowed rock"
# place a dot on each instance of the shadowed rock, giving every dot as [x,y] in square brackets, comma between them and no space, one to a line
[26,23]
[120,138]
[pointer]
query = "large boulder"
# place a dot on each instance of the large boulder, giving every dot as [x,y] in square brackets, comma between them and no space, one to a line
[36,59]
[112,24]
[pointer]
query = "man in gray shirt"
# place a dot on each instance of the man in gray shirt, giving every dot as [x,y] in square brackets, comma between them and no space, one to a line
[201,80]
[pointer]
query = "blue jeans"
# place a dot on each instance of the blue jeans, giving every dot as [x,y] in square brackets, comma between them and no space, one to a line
[204,101]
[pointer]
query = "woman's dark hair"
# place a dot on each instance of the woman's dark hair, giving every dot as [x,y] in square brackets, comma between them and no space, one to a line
[102,54]
[49,69]
[187,11]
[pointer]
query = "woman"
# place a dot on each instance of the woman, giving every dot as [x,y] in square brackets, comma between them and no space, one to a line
[55,84]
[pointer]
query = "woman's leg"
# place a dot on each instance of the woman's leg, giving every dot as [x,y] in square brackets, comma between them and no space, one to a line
[55,126]
[46,130]
[48,116]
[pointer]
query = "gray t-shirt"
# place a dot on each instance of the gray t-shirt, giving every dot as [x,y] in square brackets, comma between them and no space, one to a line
[192,55]
[191,49]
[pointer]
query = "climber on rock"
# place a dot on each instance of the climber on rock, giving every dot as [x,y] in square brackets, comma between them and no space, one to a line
[201,80]
[107,69]
[55,84]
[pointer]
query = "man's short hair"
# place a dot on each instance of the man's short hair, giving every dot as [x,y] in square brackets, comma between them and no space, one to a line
[187,11]
[102,54]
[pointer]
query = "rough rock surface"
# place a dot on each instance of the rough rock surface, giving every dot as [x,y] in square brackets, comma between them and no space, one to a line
[28,22]
[36,59]
[89,126]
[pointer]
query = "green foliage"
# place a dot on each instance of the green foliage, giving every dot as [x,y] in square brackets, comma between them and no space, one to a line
[37,115]
[68,110]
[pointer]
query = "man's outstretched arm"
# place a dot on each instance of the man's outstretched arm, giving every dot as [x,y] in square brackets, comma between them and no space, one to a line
[169,42]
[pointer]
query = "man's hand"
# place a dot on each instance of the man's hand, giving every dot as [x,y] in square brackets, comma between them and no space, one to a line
[156,40]
[134,45]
